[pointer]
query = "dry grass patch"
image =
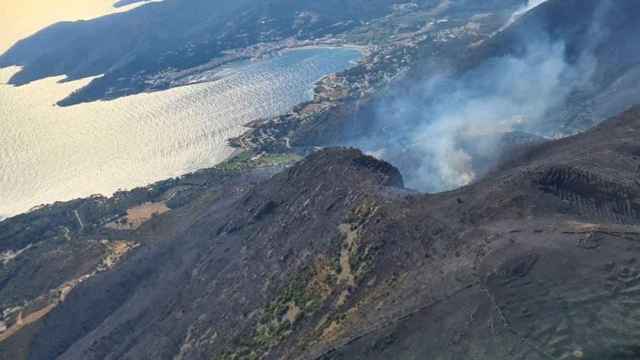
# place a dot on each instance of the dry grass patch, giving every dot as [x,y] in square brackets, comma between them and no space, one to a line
[138,215]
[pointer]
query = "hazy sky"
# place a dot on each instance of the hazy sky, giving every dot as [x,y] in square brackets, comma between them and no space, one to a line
[21,18]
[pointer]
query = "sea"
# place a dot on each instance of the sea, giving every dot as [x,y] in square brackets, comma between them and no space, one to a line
[50,153]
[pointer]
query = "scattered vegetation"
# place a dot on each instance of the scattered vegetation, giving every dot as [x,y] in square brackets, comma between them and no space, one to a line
[249,160]
[361,257]
[296,300]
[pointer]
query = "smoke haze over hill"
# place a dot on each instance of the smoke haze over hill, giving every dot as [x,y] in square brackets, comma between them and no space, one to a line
[450,121]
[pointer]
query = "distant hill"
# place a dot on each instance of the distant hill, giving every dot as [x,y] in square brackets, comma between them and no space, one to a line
[177,34]
[597,35]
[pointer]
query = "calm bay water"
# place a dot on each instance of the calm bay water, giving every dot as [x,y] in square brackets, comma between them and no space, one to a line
[48,153]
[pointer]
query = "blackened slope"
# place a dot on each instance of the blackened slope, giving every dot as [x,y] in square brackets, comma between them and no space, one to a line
[327,261]
[539,261]
[53,248]
[324,162]
[595,172]
[204,290]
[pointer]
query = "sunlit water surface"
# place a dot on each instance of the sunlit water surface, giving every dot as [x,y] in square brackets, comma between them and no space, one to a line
[48,153]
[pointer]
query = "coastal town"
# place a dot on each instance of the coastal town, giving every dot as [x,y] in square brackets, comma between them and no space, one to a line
[390,47]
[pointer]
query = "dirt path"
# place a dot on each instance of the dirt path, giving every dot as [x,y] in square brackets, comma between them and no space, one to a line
[79,219]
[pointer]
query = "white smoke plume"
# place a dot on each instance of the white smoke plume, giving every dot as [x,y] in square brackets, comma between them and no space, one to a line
[437,134]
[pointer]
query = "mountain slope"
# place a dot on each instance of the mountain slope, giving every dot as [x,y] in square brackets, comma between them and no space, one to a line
[332,259]
[543,264]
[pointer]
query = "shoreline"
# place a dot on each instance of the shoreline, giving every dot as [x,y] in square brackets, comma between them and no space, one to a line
[233,151]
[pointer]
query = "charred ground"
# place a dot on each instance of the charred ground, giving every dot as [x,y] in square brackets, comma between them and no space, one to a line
[333,259]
